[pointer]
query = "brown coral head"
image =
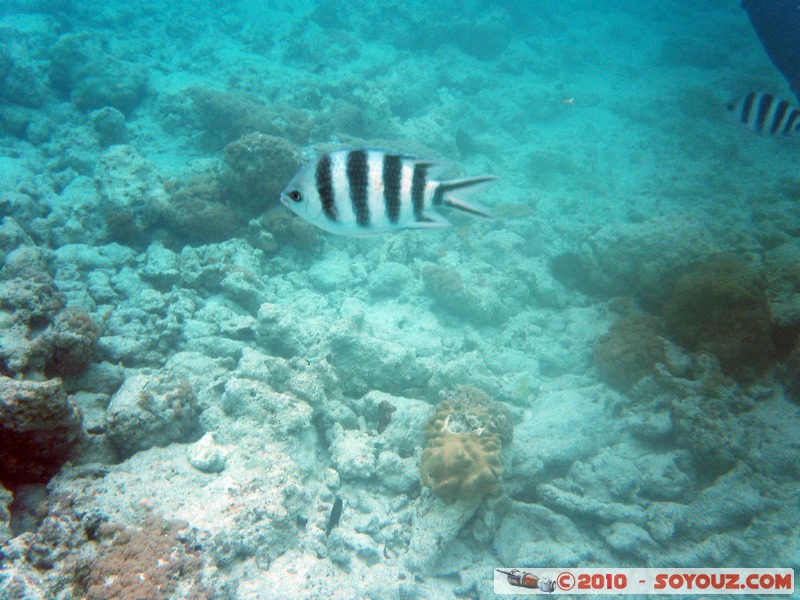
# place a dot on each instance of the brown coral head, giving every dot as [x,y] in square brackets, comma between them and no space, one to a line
[471,409]
[462,454]
[721,308]
[462,465]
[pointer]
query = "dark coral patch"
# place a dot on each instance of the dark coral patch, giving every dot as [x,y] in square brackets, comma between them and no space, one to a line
[721,308]
[629,351]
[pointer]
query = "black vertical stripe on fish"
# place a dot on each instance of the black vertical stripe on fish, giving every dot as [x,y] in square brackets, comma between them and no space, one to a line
[324,182]
[777,118]
[747,107]
[418,183]
[763,110]
[358,178]
[392,171]
[792,122]
[336,514]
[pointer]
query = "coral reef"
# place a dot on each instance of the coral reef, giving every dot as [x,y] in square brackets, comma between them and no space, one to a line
[39,426]
[109,125]
[259,166]
[216,203]
[81,68]
[385,411]
[151,561]
[390,279]
[197,212]
[233,268]
[69,343]
[463,441]
[289,230]
[252,514]
[721,308]
[447,288]
[782,267]
[479,33]
[436,524]
[20,78]
[40,336]
[226,116]
[72,552]
[701,410]
[557,536]
[341,117]
[375,364]
[6,498]
[791,374]
[28,289]
[635,258]
[247,397]
[124,226]
[629,351]
[12,236]
[131,189]
[19,319]
[155,211]
[353,453]
[39,560]
[152,410]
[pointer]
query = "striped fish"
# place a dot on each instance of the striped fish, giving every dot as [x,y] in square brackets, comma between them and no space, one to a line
[363,192]
[766,113]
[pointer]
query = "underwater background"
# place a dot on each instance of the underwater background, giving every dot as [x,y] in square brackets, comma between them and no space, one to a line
[204,396]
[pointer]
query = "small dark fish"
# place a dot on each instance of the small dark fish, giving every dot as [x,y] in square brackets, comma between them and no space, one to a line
[336,514]
[385,410]
[766,113]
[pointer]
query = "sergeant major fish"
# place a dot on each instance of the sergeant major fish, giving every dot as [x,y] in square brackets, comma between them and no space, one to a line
[766,113]
[363,192]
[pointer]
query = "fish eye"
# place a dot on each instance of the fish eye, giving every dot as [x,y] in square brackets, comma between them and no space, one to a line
[295,196]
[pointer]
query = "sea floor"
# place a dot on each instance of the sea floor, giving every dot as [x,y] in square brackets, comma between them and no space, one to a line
[192,376]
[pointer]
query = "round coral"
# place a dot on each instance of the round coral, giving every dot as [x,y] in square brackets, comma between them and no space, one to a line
[463,441]
[259,166]
[462,465]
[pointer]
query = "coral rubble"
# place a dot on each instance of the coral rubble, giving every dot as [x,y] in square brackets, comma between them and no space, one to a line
[152,410]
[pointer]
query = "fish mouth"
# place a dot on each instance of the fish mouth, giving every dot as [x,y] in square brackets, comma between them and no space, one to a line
[284,199]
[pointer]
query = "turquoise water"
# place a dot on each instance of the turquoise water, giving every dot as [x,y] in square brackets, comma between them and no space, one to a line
[605,374]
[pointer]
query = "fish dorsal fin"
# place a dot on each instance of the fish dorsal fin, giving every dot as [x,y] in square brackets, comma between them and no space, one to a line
[435,168]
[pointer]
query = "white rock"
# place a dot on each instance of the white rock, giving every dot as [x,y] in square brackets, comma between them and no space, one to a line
[436,524]
[353,453]
[204,455]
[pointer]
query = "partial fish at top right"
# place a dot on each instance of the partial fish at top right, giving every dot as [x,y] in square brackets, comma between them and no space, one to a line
[765,113]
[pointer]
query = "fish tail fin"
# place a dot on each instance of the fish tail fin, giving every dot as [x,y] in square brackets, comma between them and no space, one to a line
[455,192]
